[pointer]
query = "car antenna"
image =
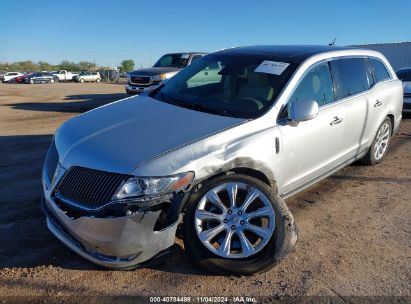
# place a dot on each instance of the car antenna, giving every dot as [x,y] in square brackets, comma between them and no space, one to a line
[336,36]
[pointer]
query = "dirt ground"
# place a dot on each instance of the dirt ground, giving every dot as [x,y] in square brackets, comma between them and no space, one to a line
[354,227]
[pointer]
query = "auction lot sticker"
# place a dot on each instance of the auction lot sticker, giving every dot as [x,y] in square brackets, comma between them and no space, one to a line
[271,67]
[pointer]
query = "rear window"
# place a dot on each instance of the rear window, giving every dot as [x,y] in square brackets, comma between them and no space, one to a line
[380,71]
[350,76]
[404,75]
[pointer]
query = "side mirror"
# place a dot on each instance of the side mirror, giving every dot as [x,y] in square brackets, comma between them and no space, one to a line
[303,111]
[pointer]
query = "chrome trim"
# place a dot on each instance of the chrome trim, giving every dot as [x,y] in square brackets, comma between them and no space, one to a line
[79,206]
[140,84]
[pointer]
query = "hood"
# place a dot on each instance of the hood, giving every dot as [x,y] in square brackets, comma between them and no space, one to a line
[154,71]
[119,136]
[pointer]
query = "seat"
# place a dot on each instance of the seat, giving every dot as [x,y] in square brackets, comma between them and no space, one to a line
[256,89]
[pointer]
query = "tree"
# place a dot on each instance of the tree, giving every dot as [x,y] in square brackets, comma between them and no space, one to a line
[69,66]
[45,66]
[85,65]
[127,65]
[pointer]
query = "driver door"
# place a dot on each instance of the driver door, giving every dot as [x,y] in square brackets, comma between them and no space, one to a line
[310,149]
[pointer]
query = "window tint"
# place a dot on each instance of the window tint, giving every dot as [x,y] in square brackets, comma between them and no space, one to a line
[404,75]
[316,85]
[380,71]
[350,76]
[195,57]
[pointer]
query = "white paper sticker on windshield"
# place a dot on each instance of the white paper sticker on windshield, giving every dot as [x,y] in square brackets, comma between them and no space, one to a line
[272,67]
[185,56]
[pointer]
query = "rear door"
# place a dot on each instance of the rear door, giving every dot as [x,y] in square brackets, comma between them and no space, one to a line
[311,148]
[352,81]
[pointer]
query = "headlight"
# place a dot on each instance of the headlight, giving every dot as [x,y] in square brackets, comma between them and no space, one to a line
[146,188]
[159,77]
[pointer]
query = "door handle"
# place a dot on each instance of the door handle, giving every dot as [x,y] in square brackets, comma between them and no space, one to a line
[377,103]
[336,121]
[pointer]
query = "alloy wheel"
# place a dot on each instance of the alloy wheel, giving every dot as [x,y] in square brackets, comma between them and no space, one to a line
[381,141]
[234,220]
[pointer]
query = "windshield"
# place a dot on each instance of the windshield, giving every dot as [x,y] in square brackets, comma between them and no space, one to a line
[237,86]
[173,61]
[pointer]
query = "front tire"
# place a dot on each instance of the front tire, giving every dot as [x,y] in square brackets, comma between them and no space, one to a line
[237,224]
[82,80]
[380,144]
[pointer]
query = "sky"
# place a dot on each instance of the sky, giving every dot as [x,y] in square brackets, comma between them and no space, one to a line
[109,31]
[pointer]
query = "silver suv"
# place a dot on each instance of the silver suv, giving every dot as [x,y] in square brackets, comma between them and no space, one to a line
[215,151]
[87,77]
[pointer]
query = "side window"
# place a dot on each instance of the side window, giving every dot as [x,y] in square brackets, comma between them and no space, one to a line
[209,75]
[380,71]
[316,85]
[350,76]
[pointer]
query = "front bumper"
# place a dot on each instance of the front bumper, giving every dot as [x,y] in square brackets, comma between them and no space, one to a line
[117,242]
[138,89]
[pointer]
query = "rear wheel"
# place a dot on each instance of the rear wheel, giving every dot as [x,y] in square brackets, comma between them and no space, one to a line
[51,80]
[98,80]
[237,224]
[379,146]
[31,81]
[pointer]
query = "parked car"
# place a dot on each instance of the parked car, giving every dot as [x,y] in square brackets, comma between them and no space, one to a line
[166,67]
[9,76]
[20,79]
[405,76]
[88,77]
[40,77]
[64,75]
[222,155]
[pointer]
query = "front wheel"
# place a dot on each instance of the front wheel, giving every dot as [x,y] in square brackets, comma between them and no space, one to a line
[82,80]
[237,224]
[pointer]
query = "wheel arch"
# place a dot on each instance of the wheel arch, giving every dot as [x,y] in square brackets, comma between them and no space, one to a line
[391,117]
[236,170]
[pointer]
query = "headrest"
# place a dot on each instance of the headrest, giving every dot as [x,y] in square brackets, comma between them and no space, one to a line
[257,80]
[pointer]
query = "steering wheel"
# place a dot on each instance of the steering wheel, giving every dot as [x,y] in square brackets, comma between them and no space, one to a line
[259,104]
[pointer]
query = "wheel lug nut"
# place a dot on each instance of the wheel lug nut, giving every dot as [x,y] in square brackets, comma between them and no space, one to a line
[229,211]
[233,227]
[242,222]
[225,221]
[239,213]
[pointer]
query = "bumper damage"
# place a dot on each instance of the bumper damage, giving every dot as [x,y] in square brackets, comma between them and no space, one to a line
[113,242]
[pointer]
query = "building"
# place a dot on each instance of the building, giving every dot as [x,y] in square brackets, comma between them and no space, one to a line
[397,53]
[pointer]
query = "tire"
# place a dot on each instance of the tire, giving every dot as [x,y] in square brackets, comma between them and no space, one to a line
[372,157]
[31,81]
[82,80]
[98,80]
[51,81]
[260,259]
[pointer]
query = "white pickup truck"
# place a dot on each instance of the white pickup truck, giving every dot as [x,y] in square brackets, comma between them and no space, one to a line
[64,75]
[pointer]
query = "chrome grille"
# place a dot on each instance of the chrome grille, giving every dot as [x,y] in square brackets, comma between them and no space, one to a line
[140,79]
[89,188]
[51,161]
